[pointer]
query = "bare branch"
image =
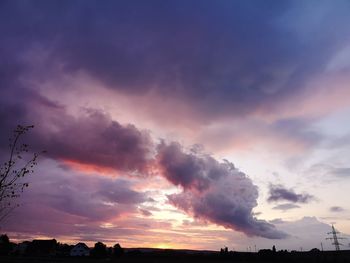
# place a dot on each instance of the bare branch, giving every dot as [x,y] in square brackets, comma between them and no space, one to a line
[13,171]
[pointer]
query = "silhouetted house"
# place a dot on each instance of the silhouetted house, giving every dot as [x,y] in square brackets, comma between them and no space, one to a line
[80,250]
[21,248]
[42,248]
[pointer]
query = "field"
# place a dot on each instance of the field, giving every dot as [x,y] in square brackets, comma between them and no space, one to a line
[171,256]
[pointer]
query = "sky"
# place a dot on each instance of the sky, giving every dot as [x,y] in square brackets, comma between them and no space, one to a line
[180,124]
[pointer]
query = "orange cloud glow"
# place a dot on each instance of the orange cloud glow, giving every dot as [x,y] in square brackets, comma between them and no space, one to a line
[90,168]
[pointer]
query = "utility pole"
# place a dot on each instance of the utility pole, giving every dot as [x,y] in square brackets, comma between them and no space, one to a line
[321,246]
[335,238]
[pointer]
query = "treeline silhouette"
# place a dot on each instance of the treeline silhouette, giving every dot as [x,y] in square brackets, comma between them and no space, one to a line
[52,248]
[46,251]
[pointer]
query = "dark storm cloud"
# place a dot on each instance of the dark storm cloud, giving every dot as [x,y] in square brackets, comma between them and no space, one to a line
[280,193]
[213,191]
[226,57]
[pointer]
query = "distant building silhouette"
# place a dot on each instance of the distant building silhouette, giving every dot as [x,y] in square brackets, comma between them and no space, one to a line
[42,248]
[21,248]
[80,250]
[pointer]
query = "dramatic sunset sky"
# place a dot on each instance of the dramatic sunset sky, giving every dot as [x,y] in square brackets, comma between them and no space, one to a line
[180,124]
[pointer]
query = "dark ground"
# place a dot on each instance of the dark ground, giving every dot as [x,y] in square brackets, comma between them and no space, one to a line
[171,256]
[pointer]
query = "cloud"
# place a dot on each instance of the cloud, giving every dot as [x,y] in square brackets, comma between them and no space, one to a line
[296,129]
[186,170]
[213,191]
[330,172]
[220,64]
[91,197]
[276,221]
[289,135]
[285,207]
[279,193]
[336,209]
[89,137]
[60,202]
[119,192]
[145,212]
[342,172]
[213,58]
[92,140]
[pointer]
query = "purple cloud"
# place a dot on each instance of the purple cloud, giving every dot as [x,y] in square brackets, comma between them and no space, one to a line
[213,58]
[188,53]
[91,138]
[279,193]
[336,209]
[59,202]
[95,139]
[213,191]
[285,207]
[185,169]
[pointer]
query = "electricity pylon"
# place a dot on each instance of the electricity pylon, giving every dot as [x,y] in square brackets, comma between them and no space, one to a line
[335,238]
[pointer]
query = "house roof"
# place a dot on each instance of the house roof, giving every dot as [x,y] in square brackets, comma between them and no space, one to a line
[82,245]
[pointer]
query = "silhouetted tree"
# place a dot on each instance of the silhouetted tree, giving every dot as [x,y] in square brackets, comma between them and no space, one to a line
[63,249]
[118,251]
[99,250]
[273,249]
[224,251]
[13,171]
[5,245]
